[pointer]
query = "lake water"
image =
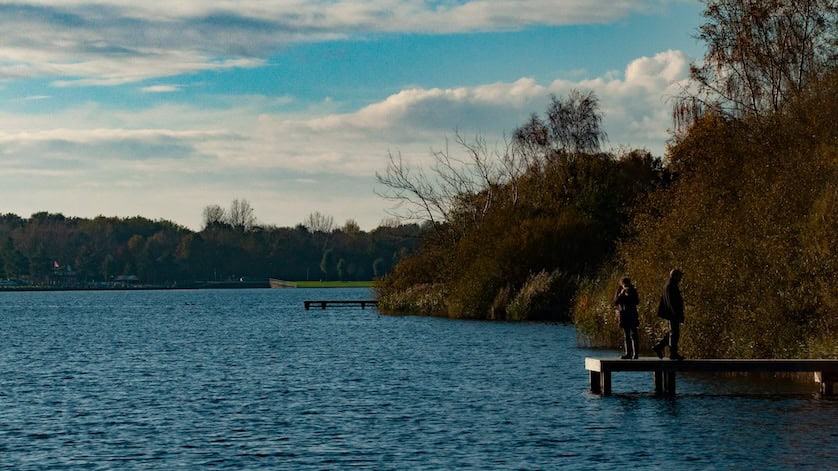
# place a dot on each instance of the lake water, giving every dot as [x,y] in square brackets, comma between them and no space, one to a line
[248,379]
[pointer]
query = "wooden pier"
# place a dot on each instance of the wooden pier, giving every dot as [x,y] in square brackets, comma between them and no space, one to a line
[664,371]
[340,303]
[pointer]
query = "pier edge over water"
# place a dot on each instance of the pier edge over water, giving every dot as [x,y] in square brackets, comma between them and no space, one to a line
[600,370]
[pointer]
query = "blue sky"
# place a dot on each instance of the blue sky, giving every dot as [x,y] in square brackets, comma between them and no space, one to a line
[158,109]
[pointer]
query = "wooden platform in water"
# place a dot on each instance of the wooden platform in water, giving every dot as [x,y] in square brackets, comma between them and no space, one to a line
[323,304]
[600,369]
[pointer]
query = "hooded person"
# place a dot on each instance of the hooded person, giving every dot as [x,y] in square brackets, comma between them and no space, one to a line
[671,308]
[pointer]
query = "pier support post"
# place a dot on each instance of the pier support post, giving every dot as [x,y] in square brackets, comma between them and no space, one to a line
[827,382]
[669,380]
[665,382]
[601,382]
[605,383]
[595,384]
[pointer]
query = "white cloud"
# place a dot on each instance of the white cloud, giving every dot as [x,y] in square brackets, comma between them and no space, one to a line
[378,14]
[32,98]
[160,89]
[112,42]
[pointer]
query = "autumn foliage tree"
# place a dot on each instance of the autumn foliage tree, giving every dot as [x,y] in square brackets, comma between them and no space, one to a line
[761,53]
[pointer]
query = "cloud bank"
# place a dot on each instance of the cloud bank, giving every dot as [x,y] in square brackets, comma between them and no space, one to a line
[176,159]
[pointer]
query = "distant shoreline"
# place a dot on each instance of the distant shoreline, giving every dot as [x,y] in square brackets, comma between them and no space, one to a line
[193,285]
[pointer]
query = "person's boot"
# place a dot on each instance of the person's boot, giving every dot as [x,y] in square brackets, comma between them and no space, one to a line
[628,354]
[673,355]
[635,349]
[658,349]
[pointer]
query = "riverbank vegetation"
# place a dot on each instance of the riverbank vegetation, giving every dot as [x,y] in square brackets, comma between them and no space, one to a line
[534,219]
[745,202]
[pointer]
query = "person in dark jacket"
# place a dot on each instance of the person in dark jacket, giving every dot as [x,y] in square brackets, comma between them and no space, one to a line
[627,299]
[671,308]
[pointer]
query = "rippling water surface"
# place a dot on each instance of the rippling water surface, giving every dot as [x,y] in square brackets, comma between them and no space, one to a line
[248,379]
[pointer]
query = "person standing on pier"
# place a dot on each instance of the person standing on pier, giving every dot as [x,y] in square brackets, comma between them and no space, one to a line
[627,299]
[671,308]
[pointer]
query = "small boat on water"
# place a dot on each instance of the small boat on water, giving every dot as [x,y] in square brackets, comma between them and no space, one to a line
[281,283]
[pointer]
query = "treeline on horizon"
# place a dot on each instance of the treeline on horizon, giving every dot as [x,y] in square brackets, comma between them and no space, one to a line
[745,203]
[44,248]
